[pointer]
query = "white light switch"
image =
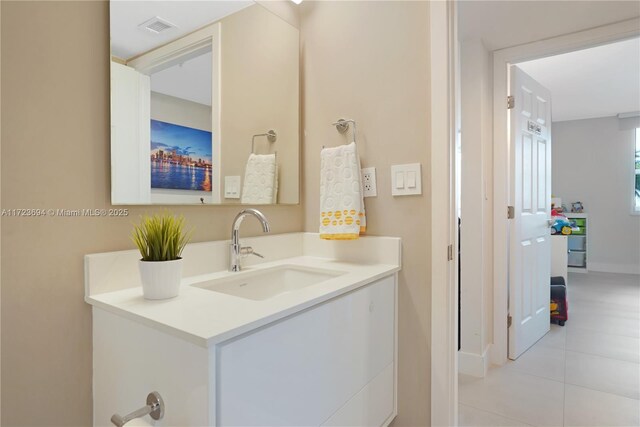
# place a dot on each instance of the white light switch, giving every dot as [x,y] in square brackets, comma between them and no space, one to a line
[399,180]
[407,179]
[231,187]
[411,179]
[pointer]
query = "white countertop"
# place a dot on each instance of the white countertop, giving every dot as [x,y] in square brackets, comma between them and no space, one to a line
[206,317]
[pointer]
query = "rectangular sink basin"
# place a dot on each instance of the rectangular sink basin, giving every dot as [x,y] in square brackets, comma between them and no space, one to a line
[270,282]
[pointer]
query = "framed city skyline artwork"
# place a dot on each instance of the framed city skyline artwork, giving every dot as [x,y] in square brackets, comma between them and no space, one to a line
[181,157]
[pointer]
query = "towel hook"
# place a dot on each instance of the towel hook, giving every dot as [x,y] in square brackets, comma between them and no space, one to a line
[271,137]
[342,125]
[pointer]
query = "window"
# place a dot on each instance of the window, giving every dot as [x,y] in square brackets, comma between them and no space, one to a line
[636,207]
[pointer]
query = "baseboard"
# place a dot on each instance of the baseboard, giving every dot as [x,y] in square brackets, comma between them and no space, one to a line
[497,355]
[614,268]
[486,358]
[474,364]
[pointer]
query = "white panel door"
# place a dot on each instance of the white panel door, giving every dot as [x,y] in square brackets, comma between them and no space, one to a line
[530,246]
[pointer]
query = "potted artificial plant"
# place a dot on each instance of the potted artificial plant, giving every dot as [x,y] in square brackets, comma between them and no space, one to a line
[160,239]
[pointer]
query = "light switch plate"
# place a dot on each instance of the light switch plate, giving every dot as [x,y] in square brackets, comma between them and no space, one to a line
[370,189]
[231,187]
[406,180]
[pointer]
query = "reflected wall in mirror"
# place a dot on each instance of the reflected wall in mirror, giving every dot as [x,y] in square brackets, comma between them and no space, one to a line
[204,104]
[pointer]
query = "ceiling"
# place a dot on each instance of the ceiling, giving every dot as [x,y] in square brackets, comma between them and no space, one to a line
[127,40]
[503,24]
[190,80]
[599,82]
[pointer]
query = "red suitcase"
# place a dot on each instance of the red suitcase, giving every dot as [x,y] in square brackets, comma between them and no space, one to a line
[559,307]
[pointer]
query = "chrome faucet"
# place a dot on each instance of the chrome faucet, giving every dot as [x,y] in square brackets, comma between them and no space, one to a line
[236,251]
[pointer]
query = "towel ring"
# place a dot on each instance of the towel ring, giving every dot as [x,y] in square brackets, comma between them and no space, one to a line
[271,137]
[342,125]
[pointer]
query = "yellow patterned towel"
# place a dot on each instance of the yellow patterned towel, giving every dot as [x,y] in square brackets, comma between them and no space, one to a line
[342,215]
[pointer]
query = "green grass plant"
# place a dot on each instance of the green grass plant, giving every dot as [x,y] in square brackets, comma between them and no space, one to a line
[160,237]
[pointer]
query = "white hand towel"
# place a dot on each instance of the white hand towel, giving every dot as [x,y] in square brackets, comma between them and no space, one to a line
[342,214]
[260,180]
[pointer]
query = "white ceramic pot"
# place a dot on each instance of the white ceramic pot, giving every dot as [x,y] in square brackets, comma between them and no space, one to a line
[160,279]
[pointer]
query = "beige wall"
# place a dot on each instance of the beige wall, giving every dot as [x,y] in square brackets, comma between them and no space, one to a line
[369,61]
[55,154]
[260,91]
[180,111]
[285,9]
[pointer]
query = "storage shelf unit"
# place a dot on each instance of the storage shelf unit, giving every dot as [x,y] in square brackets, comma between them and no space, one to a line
[578,244]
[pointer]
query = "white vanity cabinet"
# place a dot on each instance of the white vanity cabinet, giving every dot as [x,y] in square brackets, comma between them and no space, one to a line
[330,364]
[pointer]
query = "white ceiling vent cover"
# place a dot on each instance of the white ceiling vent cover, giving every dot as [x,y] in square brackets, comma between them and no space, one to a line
[156,25]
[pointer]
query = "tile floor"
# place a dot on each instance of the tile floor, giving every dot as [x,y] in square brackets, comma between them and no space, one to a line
[586,373]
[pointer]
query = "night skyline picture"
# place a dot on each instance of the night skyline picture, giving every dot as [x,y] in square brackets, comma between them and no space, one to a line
[181,157]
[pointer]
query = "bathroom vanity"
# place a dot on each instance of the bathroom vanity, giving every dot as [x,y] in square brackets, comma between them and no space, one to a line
[307,336]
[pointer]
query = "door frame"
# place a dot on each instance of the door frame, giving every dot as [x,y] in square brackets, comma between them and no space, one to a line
[443,49]
[502,59]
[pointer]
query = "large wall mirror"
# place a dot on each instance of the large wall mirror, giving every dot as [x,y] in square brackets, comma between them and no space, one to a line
[204,104]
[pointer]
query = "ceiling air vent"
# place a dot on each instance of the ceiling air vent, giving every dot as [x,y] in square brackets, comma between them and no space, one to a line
[156,25]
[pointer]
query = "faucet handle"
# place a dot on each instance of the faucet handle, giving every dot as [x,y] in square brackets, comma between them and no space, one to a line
[248,250]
